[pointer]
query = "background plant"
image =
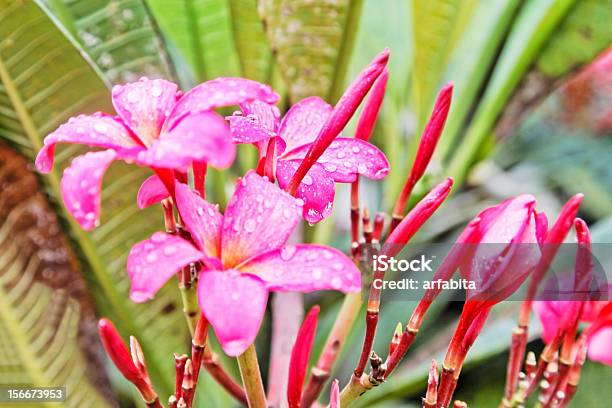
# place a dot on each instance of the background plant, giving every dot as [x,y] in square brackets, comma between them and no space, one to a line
[59,58]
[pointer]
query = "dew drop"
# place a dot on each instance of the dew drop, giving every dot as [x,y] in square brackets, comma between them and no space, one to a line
[249,225]
[287,252]
[356,149]
[158,237]
[307,180]
[317,273]
[169,250]
[151,257]
[341,155]
[156,91]
[336,283]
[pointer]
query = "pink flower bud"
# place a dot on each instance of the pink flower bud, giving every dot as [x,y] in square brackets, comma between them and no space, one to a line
[368,117]
[117,351]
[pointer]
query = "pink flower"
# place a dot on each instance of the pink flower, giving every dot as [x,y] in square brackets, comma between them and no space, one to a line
[155,127]
[597,315]
[245,257]
[501,247]
[342,162]
[308,133]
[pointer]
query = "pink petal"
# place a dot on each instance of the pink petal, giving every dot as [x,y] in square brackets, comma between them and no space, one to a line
[151,263]
[550,315]
[200,137]
[304,268]
[99,130]
[259,217]
[317,189]
[345,158]
[303,121]
[600,346]
[218,93]
[247,129]
[81,184]
[202,219]
[234,304]
[151,191]
[267,115]
[144,106]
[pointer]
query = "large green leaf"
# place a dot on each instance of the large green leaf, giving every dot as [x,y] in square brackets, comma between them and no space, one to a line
[251,42]
[119,35]
[531,31]
[582,35]
[201,30]
[45,80]
[435,26]
[47,322]
[312,42]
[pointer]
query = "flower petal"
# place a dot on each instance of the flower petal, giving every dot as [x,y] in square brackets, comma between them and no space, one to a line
[81,184]
[345,158]
[144,105]
[234,304]
[151,263]
[200,137]
[599,346]
[317,189]
[267,115]
[259,217]
[202,219]
[218,93]
[247,129]
[151,191]
[304,268]
[303,121]
[99,130]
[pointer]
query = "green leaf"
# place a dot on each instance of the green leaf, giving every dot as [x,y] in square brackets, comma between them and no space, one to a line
[312,43]
[119,35]
[47,321]
[201,30]
[436,25]
[531,30]
[471,61]
[44,81]
[250,40]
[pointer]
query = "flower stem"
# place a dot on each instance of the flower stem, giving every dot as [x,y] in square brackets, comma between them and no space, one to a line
[251,378]
[189,298]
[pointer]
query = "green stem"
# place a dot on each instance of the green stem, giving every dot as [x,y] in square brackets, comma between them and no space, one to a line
[190,305]
[251,378]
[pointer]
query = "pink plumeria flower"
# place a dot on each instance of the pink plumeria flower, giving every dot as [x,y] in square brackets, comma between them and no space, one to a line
[343,161]
[155,127]
[245,257]
[596,314]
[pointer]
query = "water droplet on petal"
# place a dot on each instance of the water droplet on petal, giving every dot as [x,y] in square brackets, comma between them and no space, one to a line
[336,283]
[249,225]
[317,273]
[330,167]
[169,250]
[307,180]
[356,149]
[287,252]
[156,91]
[151,257]
[341,155]
[158,237]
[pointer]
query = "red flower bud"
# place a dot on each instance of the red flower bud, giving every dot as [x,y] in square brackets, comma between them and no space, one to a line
[427,145]
[300,354]
[368,116]
[416,218]
[117,351]
[342,113]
